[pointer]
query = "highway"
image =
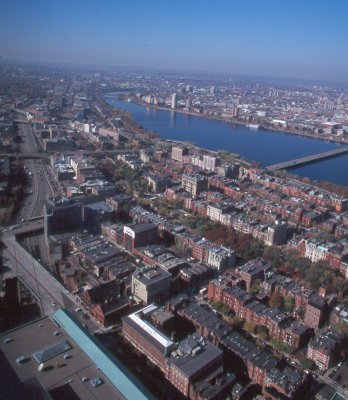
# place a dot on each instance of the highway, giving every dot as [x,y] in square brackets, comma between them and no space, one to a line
[50,293]
[42,185]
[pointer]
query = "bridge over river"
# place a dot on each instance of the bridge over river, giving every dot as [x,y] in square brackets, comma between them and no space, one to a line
[308,160]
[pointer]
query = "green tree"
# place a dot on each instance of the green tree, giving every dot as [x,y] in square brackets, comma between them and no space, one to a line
[341,327]
[255,287]
[306,363]
[237,321]
[250,326]
[288,303]
[262,332]
[283,347]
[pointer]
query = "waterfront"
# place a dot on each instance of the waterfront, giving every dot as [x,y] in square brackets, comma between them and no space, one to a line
[263,146]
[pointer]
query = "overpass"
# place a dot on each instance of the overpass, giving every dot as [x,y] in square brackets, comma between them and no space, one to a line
[308,160]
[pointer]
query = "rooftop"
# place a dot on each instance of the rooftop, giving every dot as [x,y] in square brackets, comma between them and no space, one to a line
[193,354]
[67,352]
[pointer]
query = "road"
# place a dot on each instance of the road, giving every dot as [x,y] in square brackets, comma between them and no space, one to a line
[42,185]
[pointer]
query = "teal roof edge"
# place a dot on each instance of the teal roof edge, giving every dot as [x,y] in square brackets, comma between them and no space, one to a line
[120,377]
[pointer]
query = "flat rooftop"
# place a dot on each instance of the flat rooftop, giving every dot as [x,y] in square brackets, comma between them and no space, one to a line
[40,335]
[73,357]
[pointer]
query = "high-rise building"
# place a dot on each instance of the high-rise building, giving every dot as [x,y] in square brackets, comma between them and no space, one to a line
[174,100]
[188,103]
[234,111]
[178,153]
[210,163]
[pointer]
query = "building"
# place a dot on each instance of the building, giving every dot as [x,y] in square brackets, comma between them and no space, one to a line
[316,311]
[194,184]
[174,102]
[194,359]
[95,214]
[253,270]
[158,183]
[324,349]
[50,357]
[62,215]
[284,383]
[138,235]
[277,234]
[210,162]
[178,153]
[105,302]
[138,330]
[150,283]
[221,258]
[219,212]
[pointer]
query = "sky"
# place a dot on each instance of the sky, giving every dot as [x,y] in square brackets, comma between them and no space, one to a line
[284,38]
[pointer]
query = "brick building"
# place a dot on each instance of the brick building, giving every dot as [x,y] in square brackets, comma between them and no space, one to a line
[137,235]
[316,311]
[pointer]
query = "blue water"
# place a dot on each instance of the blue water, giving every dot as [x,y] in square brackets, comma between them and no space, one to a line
[264,146]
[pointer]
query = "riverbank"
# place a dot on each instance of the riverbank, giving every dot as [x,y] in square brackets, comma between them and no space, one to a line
[264,147]
[326,138]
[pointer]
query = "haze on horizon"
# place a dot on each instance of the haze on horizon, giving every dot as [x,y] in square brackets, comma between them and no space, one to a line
[299,39]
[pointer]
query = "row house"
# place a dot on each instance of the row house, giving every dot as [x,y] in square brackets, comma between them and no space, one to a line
[284,383]
[280,326]
[205,322]
[287,287]
[335,255]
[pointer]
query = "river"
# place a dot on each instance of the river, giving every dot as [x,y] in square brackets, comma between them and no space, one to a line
[264,146]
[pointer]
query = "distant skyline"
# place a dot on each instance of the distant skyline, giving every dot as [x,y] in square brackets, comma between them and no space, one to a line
[299,39]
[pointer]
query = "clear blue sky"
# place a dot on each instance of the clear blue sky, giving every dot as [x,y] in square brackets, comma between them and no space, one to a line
[290,38]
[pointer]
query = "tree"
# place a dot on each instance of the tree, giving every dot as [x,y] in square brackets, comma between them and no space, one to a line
[274,255]
[237,321]
[288,303]
[255,287]
[283,347]
[341,327]
[250,326]
[306,363]
[262,332]
[276,300]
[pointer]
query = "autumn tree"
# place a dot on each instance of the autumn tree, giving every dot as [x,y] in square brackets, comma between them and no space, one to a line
[276,300]
[250,326]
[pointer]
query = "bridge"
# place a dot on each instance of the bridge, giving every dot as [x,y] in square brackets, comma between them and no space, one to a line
[308,160]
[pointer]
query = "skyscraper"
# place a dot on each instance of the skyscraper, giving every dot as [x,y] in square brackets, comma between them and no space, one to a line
[174,100]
